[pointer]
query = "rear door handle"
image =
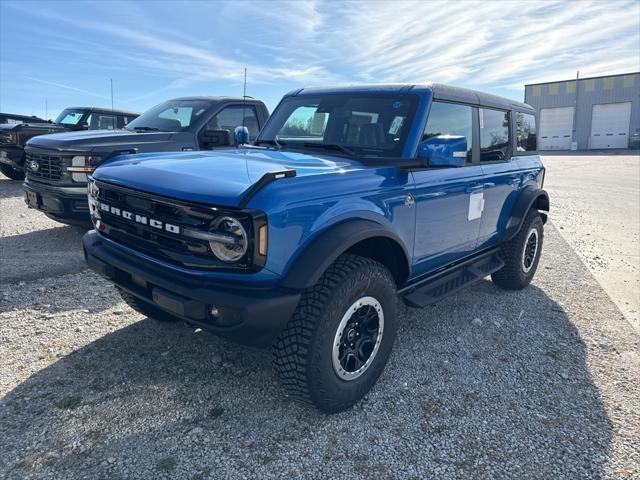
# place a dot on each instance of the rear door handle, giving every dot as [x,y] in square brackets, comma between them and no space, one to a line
[473,188]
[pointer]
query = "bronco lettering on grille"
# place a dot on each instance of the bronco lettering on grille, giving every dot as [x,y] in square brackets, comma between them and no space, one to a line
[141,219]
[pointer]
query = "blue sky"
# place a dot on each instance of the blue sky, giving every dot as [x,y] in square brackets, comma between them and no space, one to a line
[66,52]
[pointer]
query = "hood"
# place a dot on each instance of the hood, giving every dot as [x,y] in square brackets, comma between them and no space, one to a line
[216,178]
[32,127]
[88,140]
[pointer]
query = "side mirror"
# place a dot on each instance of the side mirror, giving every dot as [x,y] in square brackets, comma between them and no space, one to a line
[217,138]
[83,126]
[240,136]
[444,151]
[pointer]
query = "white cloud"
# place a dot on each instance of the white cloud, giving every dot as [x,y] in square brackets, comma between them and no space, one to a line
[500,44]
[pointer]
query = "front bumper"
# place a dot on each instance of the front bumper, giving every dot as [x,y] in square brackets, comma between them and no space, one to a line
[64,204]
[249,316]
[12,156]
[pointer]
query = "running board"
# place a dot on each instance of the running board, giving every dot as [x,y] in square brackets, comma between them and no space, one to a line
[449,281]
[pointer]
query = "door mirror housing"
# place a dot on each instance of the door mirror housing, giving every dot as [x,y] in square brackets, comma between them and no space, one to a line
[240,136]
[217,138]
[444,151]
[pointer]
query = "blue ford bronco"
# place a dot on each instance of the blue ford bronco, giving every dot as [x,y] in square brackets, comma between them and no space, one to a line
[348,199]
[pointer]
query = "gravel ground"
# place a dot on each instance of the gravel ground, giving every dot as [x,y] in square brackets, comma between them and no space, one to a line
[24,233]
[542,383]
[596,207]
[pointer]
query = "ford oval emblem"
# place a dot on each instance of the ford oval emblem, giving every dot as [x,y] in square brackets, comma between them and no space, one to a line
[34,166]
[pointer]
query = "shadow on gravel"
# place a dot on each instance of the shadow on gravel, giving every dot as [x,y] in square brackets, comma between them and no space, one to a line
[41,253]
[10,188]
[510,398]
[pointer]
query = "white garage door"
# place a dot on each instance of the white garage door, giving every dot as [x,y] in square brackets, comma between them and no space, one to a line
[610,125]
[555,128]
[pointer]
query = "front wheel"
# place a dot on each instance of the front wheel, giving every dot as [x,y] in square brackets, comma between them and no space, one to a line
[338,340]
[521,254]
[11,172]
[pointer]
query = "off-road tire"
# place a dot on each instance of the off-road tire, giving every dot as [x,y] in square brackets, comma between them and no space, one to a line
[11,172]
[513,275]
[145,308]
[302,354]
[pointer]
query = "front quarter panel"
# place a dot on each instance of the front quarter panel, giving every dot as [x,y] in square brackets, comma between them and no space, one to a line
[301,209]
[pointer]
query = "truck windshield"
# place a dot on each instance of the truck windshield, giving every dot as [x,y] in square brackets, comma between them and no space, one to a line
[171,116]
[346,124]
[70,116]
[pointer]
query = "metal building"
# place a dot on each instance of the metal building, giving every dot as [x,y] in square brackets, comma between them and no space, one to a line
[595,113]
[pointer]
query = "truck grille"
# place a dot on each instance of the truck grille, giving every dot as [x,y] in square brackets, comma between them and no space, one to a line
[171,245]
[44,166]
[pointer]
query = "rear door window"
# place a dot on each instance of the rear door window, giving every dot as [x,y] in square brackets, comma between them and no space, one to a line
[235,116]
[494,135]
[450,119]
[101,121]
[526,132]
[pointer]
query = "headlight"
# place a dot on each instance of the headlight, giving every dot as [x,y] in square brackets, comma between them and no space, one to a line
[231,241]
[9,138]
[81,165]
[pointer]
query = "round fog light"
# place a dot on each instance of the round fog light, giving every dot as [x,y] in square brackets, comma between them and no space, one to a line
[213,312]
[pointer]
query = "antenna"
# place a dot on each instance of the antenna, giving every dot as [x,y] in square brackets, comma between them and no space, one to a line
[111,79]
[244,97]
[46,109]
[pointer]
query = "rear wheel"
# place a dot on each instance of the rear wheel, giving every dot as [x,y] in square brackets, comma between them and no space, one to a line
[338,340]
[147,309]
[521,254]
[11,172]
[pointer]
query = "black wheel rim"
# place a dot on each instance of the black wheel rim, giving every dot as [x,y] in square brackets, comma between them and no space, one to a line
[530,250]
[358,338]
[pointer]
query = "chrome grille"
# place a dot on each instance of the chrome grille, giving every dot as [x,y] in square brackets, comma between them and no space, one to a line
[44,166]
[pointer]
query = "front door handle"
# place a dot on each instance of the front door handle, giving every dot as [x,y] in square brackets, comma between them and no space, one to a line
[489,185]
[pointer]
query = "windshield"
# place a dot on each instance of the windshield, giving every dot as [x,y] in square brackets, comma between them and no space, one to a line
[171,116]
[70,116]
[363,125]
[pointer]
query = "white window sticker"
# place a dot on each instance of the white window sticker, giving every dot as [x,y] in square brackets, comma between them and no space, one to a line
[476,205]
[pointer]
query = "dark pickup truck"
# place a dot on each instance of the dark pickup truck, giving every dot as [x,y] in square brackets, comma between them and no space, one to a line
[15,134]
[14,118]
[57,165]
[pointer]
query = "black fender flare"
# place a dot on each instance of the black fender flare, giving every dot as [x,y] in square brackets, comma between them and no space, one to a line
[314,260]
[530,197]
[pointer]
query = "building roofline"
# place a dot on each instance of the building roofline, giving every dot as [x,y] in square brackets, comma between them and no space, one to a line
[582,78]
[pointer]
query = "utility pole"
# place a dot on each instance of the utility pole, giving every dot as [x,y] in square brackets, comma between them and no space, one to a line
[111,94]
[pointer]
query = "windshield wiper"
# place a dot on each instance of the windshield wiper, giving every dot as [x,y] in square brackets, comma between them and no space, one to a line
[277,144]
[145,129]
[331,146]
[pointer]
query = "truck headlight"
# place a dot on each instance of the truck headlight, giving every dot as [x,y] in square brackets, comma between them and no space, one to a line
[229,240]
[9,138]
[81,165]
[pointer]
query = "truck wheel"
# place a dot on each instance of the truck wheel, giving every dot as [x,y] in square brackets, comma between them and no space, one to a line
[11,172]
[146,308]
[521,254]
[338,340]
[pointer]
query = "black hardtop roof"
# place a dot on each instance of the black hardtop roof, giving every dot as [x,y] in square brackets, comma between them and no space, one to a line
[466,95]
[18,115]
[440,92]
[104,110]
[217,99]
